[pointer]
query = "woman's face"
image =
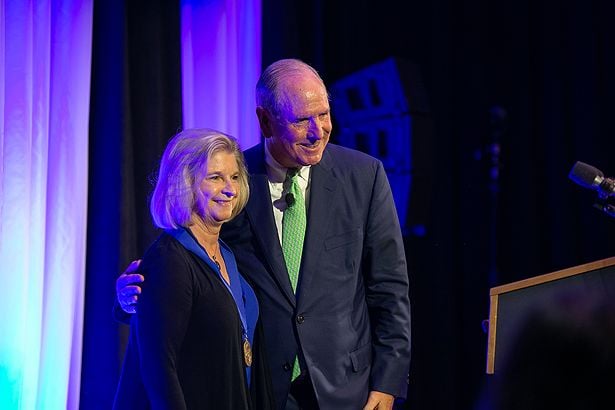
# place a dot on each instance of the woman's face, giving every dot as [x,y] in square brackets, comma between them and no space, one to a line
[220,187]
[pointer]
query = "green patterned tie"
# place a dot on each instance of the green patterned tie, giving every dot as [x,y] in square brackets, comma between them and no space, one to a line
[293,232]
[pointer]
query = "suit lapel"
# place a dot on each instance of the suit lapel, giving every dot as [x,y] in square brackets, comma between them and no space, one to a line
[323,187]
[260,214]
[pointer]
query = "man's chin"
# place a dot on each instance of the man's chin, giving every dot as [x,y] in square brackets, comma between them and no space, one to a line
[311,159]
[309,162]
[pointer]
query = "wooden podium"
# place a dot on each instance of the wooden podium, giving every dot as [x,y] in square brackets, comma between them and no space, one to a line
[510,303]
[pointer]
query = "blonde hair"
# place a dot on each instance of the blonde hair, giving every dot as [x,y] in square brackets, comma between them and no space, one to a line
[177,195]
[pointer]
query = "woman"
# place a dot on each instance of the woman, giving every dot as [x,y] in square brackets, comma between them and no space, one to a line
[193,340]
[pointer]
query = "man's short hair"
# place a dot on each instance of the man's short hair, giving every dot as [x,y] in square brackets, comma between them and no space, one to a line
[268,90]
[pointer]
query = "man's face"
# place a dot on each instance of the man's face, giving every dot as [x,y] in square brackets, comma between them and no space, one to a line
[298,135]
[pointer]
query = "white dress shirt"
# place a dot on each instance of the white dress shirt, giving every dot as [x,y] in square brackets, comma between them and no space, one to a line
[276,174]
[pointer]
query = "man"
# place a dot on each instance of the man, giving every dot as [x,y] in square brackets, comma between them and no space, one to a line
[338,337]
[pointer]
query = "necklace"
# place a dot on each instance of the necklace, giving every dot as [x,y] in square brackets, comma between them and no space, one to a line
[214,258]
[216,261]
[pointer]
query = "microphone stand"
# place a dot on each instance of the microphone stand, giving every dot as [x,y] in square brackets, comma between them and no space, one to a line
[498,117]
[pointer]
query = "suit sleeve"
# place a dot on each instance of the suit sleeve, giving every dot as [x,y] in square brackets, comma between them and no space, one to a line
[161,322]
[387,291]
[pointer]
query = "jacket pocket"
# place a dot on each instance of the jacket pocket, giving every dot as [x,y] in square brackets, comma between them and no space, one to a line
[361,358]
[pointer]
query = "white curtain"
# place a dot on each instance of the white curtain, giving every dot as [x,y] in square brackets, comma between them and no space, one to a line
[45,52]
[221,63]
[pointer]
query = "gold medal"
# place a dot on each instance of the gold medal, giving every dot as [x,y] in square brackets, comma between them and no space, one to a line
[247,353]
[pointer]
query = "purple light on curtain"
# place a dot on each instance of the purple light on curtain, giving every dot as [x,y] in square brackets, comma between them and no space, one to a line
[221,62]
[45,49]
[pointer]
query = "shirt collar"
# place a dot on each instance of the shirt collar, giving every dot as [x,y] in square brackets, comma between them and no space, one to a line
[277,173]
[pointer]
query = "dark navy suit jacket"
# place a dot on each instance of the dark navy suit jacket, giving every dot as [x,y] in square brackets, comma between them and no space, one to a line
[350,318]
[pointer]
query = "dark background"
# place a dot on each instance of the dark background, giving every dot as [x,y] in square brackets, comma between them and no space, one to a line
[545,64]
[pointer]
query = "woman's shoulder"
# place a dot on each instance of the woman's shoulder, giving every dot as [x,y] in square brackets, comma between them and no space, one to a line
[163,250]
[163,243]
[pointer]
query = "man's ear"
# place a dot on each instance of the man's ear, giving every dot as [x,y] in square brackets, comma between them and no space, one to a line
[264,120]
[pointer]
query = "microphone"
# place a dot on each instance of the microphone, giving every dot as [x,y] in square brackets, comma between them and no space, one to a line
[290,199]
[589,177]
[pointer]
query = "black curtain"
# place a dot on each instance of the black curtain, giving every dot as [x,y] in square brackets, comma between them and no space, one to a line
[135,109]
[532,77]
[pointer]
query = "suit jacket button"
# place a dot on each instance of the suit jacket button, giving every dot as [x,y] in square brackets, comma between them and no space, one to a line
[286,366]
[300,319]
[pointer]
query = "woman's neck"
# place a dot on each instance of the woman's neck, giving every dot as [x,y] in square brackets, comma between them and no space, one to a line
[207,236]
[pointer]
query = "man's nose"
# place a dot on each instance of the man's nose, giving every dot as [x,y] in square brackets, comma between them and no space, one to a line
[316,131]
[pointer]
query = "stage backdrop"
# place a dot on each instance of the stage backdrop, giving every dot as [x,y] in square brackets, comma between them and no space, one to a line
[221,63]
[45,49]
